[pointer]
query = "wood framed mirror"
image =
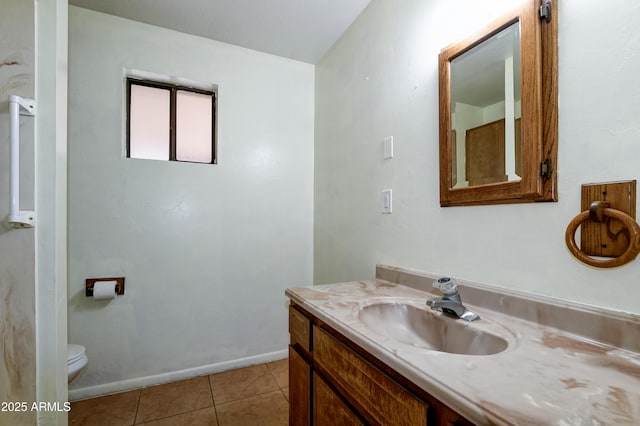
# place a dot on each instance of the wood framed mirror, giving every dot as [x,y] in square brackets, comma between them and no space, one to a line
[499,111]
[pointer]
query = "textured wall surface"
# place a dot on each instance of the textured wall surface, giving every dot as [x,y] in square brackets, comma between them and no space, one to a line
[381,79]
[17,247]
[207,250]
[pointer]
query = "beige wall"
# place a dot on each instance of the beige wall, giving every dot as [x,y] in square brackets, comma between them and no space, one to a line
[381,79]
[208,249]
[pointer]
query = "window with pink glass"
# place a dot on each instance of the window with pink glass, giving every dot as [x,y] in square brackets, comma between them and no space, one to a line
[170,122]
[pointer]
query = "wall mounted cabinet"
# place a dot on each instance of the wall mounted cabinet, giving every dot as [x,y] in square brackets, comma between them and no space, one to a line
[504,80]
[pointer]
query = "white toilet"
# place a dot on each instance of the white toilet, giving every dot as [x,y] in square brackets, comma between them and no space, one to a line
[76,360]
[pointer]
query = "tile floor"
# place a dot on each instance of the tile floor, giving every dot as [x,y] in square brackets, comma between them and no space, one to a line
[256,395]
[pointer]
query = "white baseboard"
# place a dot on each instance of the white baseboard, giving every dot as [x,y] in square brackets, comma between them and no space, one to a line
[157,379]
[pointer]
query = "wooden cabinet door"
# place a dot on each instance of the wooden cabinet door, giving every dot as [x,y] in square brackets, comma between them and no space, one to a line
[376,397]
[299,390]
[328,408]
[485,162]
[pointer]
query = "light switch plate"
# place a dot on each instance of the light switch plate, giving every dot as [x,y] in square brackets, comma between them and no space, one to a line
[387,201]
[388,147]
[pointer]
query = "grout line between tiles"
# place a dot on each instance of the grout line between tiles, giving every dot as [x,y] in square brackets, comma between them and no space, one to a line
[135,418]
[213,400]
[177,415]
[248,397]
[273,376]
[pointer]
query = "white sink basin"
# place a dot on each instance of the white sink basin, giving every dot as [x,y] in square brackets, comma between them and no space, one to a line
[428,329]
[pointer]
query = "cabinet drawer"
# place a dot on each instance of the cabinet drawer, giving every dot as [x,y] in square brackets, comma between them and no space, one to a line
[299,329]
[328,408]
[378,396]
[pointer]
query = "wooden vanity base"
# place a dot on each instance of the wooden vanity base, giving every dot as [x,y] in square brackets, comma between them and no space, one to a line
[333,381]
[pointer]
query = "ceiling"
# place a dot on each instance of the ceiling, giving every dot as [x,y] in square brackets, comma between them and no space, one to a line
[298,29]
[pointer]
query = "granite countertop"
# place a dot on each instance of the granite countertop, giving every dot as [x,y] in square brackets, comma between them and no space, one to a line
[546,376]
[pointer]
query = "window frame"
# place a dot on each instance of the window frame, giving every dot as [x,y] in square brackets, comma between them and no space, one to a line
[173,90]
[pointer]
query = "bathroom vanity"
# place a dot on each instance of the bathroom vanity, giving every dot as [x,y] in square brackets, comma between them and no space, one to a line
[361,353]
[335,381]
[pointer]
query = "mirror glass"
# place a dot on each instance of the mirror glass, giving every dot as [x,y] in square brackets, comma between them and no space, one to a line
[486,110]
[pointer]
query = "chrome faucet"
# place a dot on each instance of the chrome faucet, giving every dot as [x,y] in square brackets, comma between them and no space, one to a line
[450,303]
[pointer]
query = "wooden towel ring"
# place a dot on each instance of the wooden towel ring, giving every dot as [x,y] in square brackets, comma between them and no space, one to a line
[597,212]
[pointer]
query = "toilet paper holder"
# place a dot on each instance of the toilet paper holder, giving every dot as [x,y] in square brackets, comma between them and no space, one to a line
[90,282]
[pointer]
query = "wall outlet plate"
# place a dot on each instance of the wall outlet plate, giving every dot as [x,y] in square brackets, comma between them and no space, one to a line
[387,201]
